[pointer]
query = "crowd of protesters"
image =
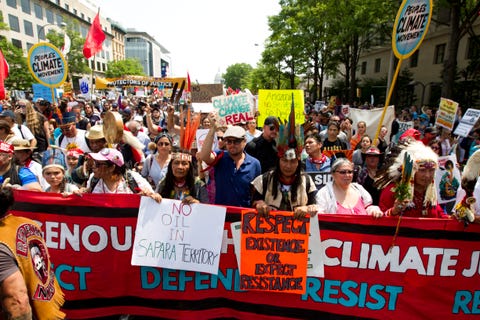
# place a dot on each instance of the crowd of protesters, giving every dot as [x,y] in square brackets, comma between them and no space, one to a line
[62,148]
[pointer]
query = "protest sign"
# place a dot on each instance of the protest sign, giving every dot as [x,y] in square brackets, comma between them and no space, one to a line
[372,118]
[467,122]
[233,109]
[174,235]
[47,64]
[320,178]
[447,110]
[447,180]
[279,103]
[274,251]
[203,93]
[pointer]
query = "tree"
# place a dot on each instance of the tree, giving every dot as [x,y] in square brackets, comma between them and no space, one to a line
[463,14]
[77,64]
[237,75]
[130,66]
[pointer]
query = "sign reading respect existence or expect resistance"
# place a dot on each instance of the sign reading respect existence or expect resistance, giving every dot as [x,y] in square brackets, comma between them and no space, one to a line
[178,236]
[47,64]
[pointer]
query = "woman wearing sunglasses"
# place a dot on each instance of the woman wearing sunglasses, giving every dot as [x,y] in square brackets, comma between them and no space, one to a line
[156,164]
[343,196]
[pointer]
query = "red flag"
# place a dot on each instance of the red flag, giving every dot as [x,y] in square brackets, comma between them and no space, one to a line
[3,74]
[189,84]
[95,38]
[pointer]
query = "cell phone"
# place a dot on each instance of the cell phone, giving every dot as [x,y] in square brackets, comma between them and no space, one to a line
[142,104]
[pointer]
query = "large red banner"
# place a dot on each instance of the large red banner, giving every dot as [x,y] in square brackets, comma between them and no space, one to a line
[432,271]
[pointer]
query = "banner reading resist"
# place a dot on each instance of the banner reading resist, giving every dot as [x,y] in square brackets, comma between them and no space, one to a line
[431,273]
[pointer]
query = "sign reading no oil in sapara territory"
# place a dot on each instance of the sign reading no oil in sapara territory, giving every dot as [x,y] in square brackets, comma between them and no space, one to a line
[411,25]
[47,64]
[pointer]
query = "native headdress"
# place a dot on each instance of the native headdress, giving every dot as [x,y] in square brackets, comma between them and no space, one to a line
[413,156]
[464,210]
[188,129]
[290,137]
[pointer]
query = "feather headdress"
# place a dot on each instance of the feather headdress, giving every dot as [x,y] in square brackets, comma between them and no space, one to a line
[290,137]
[464,210]
[188,130]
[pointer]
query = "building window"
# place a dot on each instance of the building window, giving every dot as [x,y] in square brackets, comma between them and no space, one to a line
[439,53]
[49,14]
[75,12]
[58,2]
[473,47]
[59,19]
[28,26]
[83,16]
[378,64]
[13,23]
[38,11]
[104,67]
[40,32]
[98,66]
[25,6]
[67,7]
[364,67]
[89,20]
[17,43]
[414,59]
[12,3]
[29,45]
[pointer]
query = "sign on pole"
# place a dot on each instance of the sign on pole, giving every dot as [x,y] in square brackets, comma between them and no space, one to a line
[47,64]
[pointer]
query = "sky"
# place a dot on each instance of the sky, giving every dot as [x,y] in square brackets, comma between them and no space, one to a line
[203,37]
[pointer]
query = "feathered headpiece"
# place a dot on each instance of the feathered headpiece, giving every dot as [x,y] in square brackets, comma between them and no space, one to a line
[416,155]
[188,130]
[464,210]
[290,137]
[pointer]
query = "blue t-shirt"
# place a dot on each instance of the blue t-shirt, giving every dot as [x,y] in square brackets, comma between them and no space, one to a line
[25,175]
[232,185]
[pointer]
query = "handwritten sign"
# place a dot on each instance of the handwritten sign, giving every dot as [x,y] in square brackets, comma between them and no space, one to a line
[177,236]
[278,103]
[47,64]
[274,252]
[234,108]
[205,92]
[446,113]
[411,25]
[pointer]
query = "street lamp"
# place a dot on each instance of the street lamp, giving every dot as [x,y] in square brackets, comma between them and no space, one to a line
[41,33]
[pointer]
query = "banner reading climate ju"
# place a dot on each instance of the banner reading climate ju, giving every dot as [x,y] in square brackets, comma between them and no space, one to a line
[431,273]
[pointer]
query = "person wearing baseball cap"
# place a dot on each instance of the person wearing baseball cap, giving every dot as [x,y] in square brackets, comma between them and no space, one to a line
[18,176]
[264,146]
[111,176]
[19,130]
[234,168]
[366,177]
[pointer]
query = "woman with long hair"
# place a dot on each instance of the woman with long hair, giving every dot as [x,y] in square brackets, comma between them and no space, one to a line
[156,164]
[180,182]
[359,154]
[36,122]
[6,133]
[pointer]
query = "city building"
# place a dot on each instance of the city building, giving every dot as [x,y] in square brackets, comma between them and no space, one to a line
[118,41]
[152,55]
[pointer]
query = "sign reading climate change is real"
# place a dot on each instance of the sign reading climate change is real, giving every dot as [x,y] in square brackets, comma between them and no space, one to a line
[47,64]
[411,25]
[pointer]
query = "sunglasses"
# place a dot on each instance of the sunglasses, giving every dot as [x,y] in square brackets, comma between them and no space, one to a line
[273,128]
[435,148]
[220,138]
[233,141]
[163,144]
[344,172]
[101,163]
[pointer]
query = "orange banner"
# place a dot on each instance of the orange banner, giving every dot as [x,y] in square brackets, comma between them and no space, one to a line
[341,153]
[274,252]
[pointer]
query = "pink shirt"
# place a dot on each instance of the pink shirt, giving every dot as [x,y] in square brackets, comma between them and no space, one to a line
[359,208]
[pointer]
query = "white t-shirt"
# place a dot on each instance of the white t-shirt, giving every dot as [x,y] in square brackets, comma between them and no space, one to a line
[23,132]
[79,140]
[122,187]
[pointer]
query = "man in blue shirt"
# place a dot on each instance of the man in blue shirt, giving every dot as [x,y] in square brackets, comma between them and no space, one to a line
[234,168]
[18,175]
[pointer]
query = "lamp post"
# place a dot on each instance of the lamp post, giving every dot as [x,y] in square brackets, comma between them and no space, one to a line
[42,28]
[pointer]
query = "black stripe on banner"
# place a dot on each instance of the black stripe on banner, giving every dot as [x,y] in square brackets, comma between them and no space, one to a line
[205,304]
[81,211]
[403,231]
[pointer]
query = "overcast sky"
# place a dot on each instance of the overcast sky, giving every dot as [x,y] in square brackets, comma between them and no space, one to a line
[203,36]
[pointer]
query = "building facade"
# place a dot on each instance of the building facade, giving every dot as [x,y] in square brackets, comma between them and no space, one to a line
[153,56]
[426,64]
[118,40]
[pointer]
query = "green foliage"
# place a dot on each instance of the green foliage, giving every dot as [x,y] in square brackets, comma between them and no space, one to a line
[237,76]
[131,67]
[77,64]
[19,77]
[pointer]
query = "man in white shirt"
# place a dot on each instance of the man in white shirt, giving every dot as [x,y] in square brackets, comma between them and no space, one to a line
[21,131]
[70,134]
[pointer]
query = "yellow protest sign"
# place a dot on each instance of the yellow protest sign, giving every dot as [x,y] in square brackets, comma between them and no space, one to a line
[278,103]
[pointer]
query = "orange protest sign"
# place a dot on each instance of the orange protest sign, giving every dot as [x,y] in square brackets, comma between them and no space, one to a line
[341,153]
[274,252]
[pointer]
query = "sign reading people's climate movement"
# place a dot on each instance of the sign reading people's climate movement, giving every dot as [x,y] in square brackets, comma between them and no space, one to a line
[47,64]
[174,235]
[274,252]
[233,109]
[432,272]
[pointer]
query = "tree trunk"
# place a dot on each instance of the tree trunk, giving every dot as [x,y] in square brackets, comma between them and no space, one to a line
[450,63]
